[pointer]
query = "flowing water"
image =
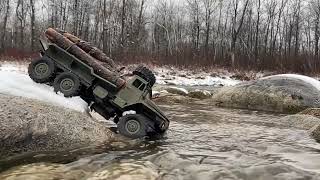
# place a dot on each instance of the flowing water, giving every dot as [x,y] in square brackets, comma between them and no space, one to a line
[206,142]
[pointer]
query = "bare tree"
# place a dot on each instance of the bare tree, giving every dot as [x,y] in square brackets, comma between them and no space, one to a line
[32,24]
[236,28]
[5,21]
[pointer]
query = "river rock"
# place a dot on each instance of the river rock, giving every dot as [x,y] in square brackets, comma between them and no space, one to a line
[173,167]
[41,171]
[279,93]
[312,111]
[125,171]
[173,99]
[300,121]
[177,90]
[200,94]
[29,125]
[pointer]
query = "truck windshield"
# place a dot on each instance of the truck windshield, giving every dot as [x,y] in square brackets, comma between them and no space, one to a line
[138,84]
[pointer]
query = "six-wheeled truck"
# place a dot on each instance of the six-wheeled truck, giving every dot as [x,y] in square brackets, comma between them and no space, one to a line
[130,106]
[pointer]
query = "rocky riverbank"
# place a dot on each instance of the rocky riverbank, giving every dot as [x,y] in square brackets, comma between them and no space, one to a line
[29,125]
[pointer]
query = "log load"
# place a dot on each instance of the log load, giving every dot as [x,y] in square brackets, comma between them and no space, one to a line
[71,47]
[90,49]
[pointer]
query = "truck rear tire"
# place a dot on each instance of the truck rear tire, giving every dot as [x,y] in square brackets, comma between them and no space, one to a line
[133,125]
[146,74]
[67,83]
[41,70]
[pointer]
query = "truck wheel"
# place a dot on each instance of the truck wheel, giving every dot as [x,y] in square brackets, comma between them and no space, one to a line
[146,74]
[133,125]
[41,70]
[67,83]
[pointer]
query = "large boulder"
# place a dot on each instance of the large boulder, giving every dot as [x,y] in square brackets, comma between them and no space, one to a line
[200,94]
[279,93]
[29,125]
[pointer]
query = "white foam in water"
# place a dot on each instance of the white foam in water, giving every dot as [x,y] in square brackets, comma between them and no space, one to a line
[18,84]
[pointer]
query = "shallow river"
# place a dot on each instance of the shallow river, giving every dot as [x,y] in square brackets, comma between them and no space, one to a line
[209,143]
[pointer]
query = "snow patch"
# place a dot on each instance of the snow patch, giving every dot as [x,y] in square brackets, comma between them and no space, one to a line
[17,84]
[13,67]
[173,76]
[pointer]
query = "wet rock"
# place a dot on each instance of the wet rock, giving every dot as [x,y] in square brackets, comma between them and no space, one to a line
[176,90]
[200,77]
[125,171]
[312,111]
[315,133]
[304,122]
[175,167]
[41,171]
[281,93]
[29,125]
[300,121]
[200,94]
[273,171]
[182,75]
[174,99]
[240,76]
[169,83]
[214,74]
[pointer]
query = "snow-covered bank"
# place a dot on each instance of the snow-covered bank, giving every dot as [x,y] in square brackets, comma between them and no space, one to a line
[164,75]
[174,76]
[20,67]
[18,84]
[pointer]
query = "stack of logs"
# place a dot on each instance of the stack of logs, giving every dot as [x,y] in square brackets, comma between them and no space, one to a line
[84,51]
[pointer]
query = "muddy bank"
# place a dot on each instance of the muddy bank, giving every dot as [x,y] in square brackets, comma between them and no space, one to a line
[29,125]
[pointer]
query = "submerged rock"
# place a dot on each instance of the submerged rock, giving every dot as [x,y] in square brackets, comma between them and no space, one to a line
[41,171]
[280,93]
[173,166]
[29,125]
[312,111]
[114,171]
[125,171]
[176,90]
[173,99]
[200,94]
[300,121]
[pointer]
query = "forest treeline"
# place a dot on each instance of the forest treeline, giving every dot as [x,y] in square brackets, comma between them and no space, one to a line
[280,35]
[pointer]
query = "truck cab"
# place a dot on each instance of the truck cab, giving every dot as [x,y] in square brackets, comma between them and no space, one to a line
[130,106]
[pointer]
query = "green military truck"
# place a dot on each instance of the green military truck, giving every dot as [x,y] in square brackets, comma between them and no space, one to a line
[130,107]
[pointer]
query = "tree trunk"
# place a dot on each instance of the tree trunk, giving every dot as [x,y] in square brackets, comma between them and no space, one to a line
[256,49]
[316,36]
[93,51]
[32,24]
[4,29]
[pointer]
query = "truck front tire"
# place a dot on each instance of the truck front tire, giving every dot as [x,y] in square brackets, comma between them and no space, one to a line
[41,70]
[133,125]
[67,83]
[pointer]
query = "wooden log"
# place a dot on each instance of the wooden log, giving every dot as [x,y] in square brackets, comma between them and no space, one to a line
[68,45]
[92,50]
